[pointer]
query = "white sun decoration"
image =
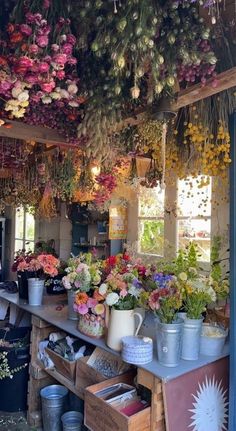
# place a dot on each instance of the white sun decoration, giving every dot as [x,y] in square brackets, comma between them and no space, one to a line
[210,410]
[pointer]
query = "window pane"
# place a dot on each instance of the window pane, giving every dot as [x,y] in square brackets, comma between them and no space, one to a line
[151,237]
[194,197]
[151,202]
[18,244]
[29,227]
[198,231]
[29,246]
[19,223]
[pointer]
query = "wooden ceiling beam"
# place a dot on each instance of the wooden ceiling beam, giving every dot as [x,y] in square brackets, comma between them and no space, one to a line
[39,134]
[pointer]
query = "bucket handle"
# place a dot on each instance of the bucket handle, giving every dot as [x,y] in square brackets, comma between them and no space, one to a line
[140,318]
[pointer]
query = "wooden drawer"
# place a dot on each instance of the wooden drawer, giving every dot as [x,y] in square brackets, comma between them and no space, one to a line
[101,416]
[62,365]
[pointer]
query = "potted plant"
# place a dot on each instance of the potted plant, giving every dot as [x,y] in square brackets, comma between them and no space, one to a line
[121,291]
[82,273]
[165,303]
[39,267]
[21,260]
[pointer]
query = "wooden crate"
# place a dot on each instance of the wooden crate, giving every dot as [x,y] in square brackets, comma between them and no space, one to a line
[62,365]
[101,416]
[86,375]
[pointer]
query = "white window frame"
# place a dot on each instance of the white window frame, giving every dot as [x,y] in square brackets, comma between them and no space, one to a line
[23,239]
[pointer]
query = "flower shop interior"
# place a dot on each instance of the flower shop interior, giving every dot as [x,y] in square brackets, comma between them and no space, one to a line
[117,215]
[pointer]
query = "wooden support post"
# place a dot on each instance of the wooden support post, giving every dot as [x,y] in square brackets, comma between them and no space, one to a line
[157,408]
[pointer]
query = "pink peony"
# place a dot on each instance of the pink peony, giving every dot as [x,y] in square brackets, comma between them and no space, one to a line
[60,59]
[25,29]
[82,309]
[47,86]
[33,49]
[67,48]
[42,41]
[31,79]
[43,67]
[70,38]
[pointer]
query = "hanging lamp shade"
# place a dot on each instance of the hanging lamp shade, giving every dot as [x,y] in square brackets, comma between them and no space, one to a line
[163,110]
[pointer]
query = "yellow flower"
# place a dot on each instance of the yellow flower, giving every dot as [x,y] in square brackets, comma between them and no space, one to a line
[183,276]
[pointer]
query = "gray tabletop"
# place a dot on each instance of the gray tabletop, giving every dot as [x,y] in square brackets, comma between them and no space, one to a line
[58,317]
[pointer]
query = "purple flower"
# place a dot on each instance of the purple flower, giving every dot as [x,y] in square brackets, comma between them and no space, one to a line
[162,280]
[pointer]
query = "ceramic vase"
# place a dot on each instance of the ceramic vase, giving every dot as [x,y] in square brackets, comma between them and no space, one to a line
[92,325]
[191,339]
[35,291]
[169,342]
[121,324]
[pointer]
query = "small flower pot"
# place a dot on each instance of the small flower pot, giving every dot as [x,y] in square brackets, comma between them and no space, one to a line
[191,339]
[169,342]
[35,291]
[92,325]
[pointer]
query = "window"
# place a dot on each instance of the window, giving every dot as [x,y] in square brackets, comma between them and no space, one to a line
[24,230]
[191,223]
[194,214]
[151,221]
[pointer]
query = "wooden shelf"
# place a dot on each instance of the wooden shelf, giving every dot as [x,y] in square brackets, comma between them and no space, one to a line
[65,382]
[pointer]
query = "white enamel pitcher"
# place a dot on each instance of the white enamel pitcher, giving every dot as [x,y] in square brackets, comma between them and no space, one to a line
[122,323]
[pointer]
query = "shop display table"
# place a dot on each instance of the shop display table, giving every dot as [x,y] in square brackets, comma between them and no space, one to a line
[175,391]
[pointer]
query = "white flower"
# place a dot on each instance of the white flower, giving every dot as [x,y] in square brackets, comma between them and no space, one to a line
[55,96]
[211,293]
[23,96]
[183,276]
[73,104]
[134,291]
[46,100]
[103,289]
[72,89]
[66,282]
[64,94]
[16,91]
[112,298]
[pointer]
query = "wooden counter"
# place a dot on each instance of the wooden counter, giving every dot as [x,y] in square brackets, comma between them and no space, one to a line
[47,318]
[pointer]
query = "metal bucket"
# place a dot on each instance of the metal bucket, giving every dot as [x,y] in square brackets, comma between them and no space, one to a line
[35,291]
[191,339]
[169,342]
[72,421]
[212,340]
[54,399]
[72,315]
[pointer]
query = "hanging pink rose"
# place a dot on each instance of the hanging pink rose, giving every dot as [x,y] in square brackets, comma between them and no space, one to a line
[33,49]
[44,31]
[46,4]
[60,59]
[31,79]
[38,18]
[60,74]
[67,48]
[70,38]
[47,86]
[55,47]
[43,67]
[42,41]
[5,85]
[30,18]
[25,62]
[25,29]
[72,60]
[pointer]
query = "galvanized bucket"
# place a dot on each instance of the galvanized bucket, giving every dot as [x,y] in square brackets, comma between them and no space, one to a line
[72,315]
[72,421]
[169,342]
[35,291]
[191,339]
[54,398]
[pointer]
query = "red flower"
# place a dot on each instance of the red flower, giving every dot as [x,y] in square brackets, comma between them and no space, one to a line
[16,37]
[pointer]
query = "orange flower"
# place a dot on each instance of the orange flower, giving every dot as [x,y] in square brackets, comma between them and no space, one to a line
[16,37]
[24,47]
[3,61]
[81,298]
[10,28]
[97,296]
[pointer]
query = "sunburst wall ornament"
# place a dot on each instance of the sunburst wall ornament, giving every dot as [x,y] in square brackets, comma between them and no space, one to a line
[210,407]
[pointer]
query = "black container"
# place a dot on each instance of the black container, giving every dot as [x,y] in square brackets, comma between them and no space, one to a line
[22,277]
[54,285]
[13,392]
